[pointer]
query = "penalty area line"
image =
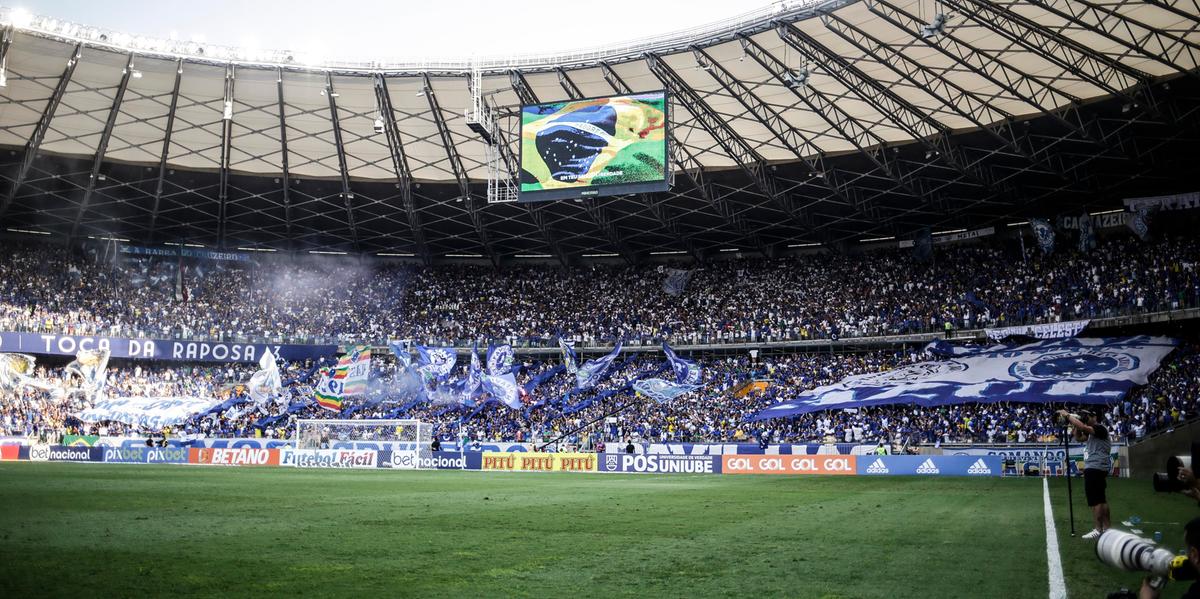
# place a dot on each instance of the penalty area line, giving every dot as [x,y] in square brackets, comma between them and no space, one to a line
[1058,588]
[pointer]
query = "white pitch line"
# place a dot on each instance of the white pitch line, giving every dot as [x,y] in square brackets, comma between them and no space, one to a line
[1058,587]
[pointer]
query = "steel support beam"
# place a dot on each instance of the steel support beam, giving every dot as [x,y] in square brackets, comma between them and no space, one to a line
[286,188]
[568,85]
[810,155]
[460,175]
[102,146]
[6,38]
[600,216]
[683,161]
[347,193]
[926,131]
[1161,46]
[166,150]
[226,140]
[535,210]
[737,148]
[39,132]
[1031,90]
[383,98]
[1096,68]
[967,104]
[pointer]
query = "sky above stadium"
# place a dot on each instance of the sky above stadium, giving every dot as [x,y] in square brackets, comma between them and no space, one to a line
[380,29]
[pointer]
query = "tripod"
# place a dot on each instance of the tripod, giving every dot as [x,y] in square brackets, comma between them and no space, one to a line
[1066,437]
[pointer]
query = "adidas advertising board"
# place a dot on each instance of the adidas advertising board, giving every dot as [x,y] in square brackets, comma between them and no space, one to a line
[930,465]
[659,464]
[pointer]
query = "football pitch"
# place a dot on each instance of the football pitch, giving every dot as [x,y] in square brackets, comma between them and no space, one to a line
[111,530]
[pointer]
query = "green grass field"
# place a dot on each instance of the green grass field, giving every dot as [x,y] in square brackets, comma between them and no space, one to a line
[119,531]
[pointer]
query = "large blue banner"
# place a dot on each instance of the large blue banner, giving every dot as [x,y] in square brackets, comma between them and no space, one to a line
[930,465]
[1077,370]
[157,349]
[659,464]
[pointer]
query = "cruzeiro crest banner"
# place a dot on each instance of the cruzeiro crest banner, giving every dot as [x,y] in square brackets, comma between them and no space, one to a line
[1078,370]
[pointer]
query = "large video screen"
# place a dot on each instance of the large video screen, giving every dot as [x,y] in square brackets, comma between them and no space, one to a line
[594,147]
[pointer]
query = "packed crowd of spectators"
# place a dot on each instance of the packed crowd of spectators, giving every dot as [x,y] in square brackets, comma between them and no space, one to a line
[734,388]
[99,291]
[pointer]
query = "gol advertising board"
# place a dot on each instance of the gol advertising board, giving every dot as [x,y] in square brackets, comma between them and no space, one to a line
[539,462]
[10,453]
[145,455]
[930,465]
[660,464]
[235,456]
[843,465]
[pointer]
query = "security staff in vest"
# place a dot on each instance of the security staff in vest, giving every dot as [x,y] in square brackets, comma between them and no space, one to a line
[1097,463]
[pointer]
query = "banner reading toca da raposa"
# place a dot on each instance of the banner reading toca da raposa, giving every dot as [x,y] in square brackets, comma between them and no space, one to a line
[540,462]
[785,464]
[660,464]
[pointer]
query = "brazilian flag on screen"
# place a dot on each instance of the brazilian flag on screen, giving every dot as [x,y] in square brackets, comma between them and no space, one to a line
[604,141]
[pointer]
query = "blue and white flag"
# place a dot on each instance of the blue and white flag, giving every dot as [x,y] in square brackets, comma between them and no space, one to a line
[676,281]
[499,359]
[570,360]
[266,383]
[503,388]
[661,390]
[1139,221]
[91,366]
[686,372]
[923,245]
[403,351]
[471,385]
[1043,231]
[1075,370]
[1087,234]
[593,371]
[436,361]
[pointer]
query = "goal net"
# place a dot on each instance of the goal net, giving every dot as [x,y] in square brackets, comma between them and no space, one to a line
[397,435]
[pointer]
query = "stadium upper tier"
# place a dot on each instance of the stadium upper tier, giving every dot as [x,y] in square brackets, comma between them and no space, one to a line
[804,123]
[99,291]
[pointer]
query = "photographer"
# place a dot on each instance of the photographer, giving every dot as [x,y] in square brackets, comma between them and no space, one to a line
[1191,536]
[1097,463]
[1191,483]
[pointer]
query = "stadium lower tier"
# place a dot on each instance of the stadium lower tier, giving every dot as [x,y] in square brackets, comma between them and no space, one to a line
[551,411]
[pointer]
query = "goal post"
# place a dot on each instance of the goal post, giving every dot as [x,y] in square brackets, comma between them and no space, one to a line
[400,435]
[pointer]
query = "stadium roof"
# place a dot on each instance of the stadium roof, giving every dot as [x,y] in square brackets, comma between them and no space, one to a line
[805,123]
